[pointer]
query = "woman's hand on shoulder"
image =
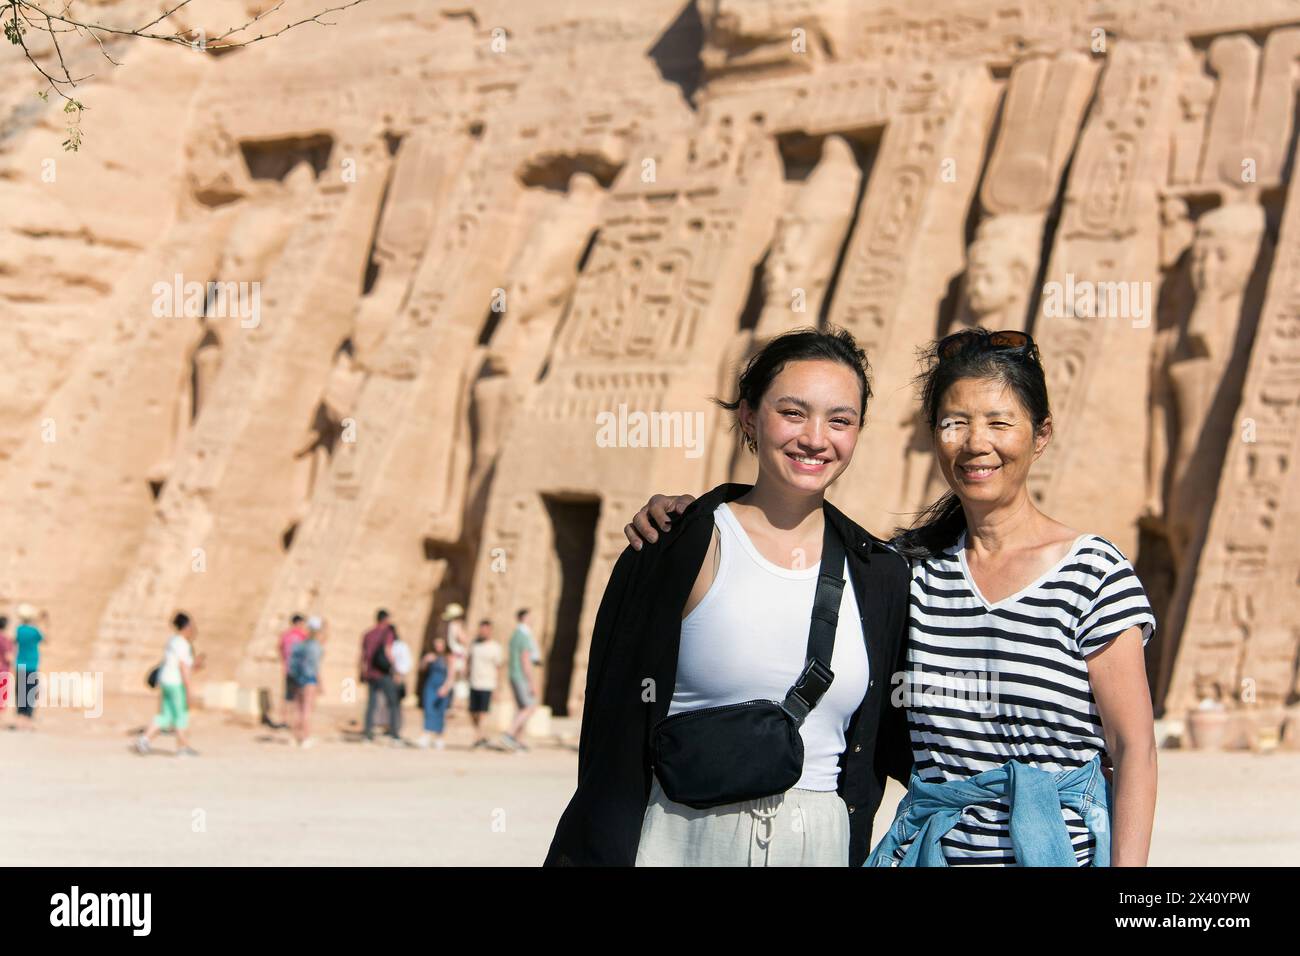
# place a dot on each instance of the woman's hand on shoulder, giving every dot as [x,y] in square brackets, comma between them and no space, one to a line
[653,517]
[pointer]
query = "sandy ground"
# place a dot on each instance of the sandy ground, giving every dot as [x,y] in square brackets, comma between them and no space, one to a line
[75,793]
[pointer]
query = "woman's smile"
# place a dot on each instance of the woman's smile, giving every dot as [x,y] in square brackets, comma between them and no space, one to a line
[808,464]
[977,473]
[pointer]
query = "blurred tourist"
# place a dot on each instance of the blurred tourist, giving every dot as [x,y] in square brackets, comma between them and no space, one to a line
[174,688]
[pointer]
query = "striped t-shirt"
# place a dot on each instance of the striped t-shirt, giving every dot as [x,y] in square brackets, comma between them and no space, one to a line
[1009,681]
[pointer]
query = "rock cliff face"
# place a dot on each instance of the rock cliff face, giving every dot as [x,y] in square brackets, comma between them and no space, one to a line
[334,322]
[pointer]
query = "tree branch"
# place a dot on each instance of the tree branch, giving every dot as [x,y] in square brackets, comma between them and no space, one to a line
[23,15]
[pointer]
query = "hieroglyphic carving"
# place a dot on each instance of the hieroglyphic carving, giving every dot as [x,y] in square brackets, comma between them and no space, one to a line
[653,272]
[915,205]
[1102,245]
[1249,562]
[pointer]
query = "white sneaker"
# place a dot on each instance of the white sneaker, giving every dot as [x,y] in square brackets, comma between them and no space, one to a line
[439,744]
[309,742]
[142,744]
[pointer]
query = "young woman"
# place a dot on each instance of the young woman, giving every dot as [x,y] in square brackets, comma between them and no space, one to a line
[436,693]
[175,676]
[718,613]
[1034,633]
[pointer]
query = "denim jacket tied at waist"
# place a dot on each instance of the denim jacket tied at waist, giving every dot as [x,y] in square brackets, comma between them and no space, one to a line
[1038,832]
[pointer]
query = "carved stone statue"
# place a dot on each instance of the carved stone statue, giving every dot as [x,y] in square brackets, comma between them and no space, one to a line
[1000,272]
[807,242]
[1223,256]
[327,427]
[541,279]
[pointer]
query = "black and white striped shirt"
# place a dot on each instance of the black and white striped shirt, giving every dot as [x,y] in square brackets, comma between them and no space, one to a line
[1009,681]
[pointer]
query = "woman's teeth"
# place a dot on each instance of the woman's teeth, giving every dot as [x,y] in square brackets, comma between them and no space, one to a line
[978,472]
[809,461]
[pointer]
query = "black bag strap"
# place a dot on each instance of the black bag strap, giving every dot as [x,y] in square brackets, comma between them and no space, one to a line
[817,675]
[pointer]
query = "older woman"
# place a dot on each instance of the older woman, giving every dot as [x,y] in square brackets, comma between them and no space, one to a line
[1032,729]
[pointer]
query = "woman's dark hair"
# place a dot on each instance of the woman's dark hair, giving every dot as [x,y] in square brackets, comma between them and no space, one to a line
[181,621]
[798,345]
[939,526]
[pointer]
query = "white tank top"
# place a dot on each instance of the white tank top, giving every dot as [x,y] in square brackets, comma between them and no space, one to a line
[748,639]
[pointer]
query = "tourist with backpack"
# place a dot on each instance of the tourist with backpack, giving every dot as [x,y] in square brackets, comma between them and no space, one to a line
[376,669]
[304,669]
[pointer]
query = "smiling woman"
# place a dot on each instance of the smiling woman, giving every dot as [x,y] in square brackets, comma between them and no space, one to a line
[767,734]
[1053,619]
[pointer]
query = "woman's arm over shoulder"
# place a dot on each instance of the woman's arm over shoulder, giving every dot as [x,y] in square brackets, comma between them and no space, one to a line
[655,515]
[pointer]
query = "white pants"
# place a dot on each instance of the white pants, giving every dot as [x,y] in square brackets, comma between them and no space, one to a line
[796,828]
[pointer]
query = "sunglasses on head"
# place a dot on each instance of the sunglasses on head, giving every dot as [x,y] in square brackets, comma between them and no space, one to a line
[970,338]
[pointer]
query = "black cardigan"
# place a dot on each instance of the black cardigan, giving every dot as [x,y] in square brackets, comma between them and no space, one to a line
[632,670]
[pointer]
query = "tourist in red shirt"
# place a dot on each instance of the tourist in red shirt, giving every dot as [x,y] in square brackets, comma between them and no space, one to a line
[296,632]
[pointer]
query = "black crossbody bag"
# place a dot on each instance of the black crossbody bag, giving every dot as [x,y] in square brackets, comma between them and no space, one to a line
[717,755]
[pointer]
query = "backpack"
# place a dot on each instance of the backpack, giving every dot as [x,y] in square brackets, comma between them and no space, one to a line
[379,661]
[298,663]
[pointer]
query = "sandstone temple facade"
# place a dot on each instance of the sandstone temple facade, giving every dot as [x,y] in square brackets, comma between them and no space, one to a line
[470,229]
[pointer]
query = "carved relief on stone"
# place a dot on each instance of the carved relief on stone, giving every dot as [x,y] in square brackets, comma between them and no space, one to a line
[1000,270]
[1041,112]
[316,449]
[1112,198]
[1251,121]
[906,248]
[1222,259]
[542,276]
[1248,552]
[654,269]
[890,216]
[807,242]
[255,236]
